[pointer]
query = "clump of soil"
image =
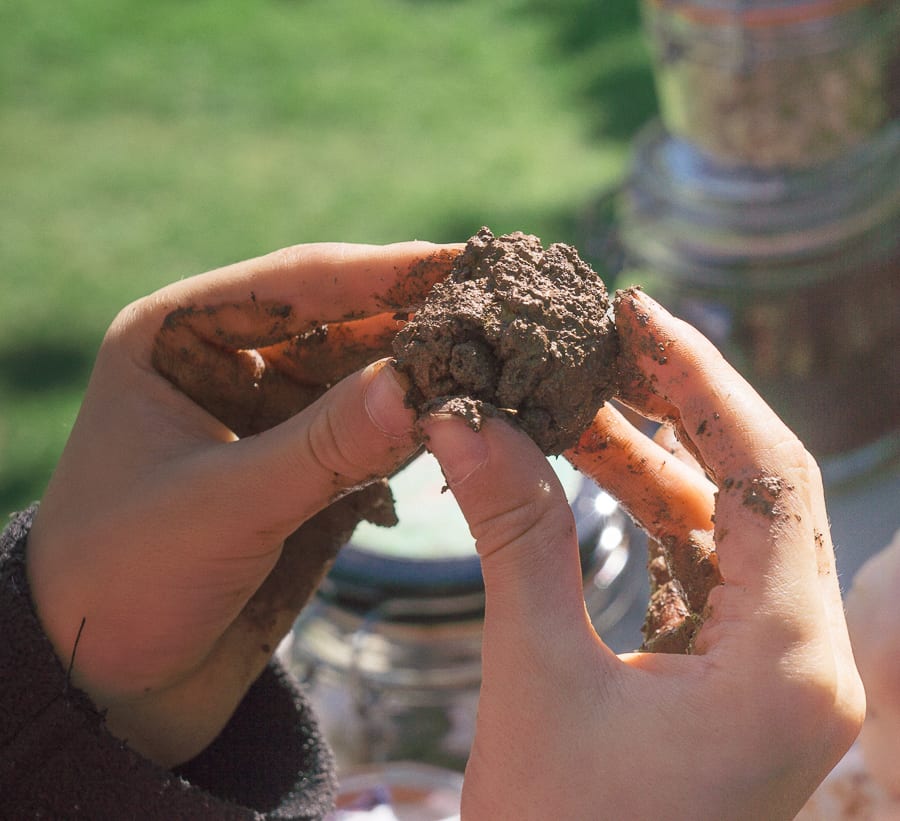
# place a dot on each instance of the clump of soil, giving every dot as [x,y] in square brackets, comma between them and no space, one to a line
[682,574]
[517,329]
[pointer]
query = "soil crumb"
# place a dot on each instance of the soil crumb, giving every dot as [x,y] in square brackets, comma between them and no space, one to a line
[517,329]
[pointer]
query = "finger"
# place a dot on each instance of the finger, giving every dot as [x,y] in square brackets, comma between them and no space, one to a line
[849,684]
[270,299]
[673,503]
[661,492]
[524,532]
[360,430]
[204,346]
[764,521]
[330,352]
[251,391]
[239,388]
[722,416]
[667,438]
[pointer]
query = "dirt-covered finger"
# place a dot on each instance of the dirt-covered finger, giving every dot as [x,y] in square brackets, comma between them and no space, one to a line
[290,292]
[663,494]
[765,530]
[673,503]
[330,352]
[720,417]
[236,387]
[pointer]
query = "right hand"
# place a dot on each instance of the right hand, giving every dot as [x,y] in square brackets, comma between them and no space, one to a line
[747,726]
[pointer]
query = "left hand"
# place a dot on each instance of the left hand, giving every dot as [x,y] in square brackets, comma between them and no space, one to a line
[198,452]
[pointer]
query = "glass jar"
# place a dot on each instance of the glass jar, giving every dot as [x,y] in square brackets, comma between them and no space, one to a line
[794,276]
[390,648]
[778,83]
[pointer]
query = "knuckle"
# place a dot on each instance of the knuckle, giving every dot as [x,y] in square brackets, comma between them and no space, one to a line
[822,709]
[133,329]
[831,713]
[331,451]
[851,713]
[523,522]
[286,258]
[128,318]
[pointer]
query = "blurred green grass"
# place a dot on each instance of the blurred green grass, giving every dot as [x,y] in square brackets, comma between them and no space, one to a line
[140,143]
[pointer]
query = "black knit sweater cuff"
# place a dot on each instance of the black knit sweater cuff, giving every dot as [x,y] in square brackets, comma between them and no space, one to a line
[58,760]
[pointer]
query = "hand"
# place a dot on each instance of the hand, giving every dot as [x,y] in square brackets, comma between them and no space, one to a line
[875,632]
[208,435]
[768,701]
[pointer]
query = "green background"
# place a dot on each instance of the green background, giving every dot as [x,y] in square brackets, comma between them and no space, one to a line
[144,142]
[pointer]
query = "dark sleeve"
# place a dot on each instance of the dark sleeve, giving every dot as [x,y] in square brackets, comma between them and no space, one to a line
[57,760]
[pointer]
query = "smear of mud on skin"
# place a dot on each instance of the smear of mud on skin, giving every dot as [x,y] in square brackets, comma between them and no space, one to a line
[761,495]
[412,289]
[267,321]
[328,353]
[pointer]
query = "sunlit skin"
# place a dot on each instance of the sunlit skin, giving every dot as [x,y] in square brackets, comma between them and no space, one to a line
[162,523]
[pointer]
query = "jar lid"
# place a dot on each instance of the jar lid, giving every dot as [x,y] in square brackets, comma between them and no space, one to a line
[404,588]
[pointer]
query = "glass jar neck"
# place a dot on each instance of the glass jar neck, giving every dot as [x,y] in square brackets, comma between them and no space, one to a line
[684,214]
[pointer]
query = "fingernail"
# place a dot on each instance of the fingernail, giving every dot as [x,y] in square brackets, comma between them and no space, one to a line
[384,400]
[459,449]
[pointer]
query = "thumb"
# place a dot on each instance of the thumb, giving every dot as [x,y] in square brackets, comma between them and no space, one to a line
[360,430]
[522,524]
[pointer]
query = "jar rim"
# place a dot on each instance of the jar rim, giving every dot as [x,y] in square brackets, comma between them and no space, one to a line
[823,206]
[363,580]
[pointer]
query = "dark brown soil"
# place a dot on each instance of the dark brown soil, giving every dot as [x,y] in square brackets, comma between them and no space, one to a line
[682,574]
[518,329]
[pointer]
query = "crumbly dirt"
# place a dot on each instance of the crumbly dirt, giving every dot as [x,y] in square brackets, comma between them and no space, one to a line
[518,329]
[682,574]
